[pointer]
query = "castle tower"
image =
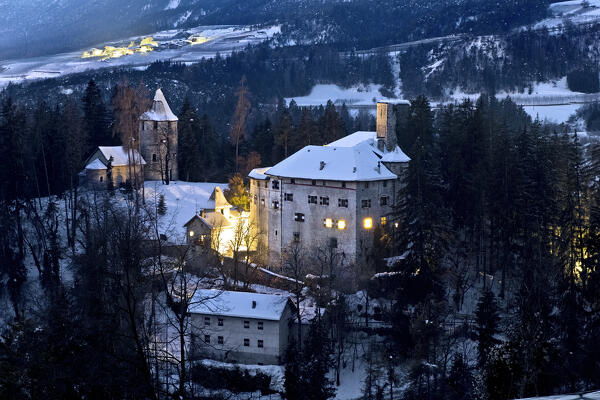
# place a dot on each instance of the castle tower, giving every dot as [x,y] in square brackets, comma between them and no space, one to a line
[158,140]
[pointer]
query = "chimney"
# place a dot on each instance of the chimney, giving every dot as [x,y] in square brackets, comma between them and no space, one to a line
[322,165]
[253,303]
[386,124]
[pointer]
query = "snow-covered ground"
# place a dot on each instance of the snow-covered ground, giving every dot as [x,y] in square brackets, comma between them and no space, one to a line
[575,11]
[356,95]
[587,396]
[183,201]
[172,45]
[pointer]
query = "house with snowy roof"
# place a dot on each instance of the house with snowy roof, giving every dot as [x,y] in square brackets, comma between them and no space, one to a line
[122,164]
[240,327]
[333,195]
[217,224]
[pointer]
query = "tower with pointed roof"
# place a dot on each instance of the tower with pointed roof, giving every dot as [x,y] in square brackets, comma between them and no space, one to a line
[158,140]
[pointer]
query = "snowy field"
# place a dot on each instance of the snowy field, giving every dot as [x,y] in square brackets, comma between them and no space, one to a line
[576,11]
[362,95]
[172,45]
[183,201]
[587,396]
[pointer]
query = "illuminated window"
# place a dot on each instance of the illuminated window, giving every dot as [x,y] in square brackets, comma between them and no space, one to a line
[368,223]
[191,233]
[328,222]
[383,220]
[396,225]
[341,224]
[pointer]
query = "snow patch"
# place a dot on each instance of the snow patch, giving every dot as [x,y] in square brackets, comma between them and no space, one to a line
[173,4]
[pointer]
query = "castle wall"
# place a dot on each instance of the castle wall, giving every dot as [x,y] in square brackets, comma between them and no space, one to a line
[159,140]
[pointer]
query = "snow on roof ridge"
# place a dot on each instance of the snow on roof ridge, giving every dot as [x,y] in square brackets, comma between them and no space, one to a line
[239,304]
[96,165]
[120,156]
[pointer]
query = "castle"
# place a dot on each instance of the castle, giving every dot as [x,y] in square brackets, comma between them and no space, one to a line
[333,195]
[155,157]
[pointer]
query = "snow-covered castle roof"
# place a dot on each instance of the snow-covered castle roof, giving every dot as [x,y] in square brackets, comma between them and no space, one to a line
[119,155]
[160,110]
[370,138]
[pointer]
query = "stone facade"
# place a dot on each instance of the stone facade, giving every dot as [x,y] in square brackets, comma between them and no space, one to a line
[158,140]
[335,195]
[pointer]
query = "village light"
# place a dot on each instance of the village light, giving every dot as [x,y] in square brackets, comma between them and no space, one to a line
[341,224]
[368,223]
[328,223]
[191,233]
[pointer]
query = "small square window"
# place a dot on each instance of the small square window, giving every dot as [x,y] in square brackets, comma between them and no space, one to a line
[247,342]
[206,321]
[366,203]
[383,201]
[299,217]
[206,338]
[154,159]
[383,220]
[260,344]
[324,183]
[220,322]
[292,181]
[288,197]
[314,182]
[385,183]
[296,237]
[275,185]
[266,184]
[262,202]
[333,243]
[220,340]
[324,201]
[343,203]
[246,324]
[343,184]
[275,204]
[312,199]
[366,185]
[260,325]
[155,125]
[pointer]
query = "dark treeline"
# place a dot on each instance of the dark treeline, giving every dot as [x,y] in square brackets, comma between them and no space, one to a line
[511,63]
[505,210]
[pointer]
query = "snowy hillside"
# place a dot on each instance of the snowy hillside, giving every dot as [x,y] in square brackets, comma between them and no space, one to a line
[574,11]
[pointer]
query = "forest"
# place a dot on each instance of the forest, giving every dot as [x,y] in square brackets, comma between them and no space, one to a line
[492,292]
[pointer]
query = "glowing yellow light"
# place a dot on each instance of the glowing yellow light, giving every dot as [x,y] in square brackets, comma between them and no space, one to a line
[194,40]
[328,223]
[131,44]
[383,220]
[191,233]
[341,224]
[148,41]
[368,223]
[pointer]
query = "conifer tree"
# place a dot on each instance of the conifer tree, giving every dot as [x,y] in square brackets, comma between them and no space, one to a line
[487,320]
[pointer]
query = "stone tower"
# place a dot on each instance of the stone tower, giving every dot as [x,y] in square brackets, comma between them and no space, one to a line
[386,125]
[158,136]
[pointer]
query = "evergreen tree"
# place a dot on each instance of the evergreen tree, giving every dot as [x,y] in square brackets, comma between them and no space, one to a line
[486,319]
[95,119]
[161,208]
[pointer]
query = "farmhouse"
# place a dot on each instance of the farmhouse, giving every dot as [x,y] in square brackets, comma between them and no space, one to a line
[241,327]
[333,195]
[119,163]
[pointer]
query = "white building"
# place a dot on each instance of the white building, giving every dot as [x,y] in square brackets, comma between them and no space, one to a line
[332,195]
[124,164]
[241,327]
